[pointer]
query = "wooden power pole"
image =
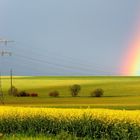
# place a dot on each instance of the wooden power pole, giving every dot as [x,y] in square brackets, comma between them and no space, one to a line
[3,53]
[11,80]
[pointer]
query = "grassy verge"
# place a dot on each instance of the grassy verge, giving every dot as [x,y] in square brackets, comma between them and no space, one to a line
[61,136]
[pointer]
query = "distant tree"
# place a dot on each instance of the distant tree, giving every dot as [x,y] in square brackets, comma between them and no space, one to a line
[97,92]
[75,89]
[13,91]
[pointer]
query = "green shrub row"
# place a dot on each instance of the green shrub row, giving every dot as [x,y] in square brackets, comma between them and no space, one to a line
[75,89]
[14,92]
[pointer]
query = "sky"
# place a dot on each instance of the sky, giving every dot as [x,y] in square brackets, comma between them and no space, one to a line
[75,37]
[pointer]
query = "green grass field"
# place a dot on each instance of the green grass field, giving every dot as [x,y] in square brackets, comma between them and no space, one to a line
[61,136]
[120,92]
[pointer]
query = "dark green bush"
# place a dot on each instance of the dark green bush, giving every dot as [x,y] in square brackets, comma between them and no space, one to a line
[14,91]
[23,94]
[33,94]
[75,89]
[54,93]
[97,92]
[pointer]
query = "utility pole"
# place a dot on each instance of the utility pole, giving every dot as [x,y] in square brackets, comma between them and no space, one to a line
[11,80]
[1,92]
[3,53]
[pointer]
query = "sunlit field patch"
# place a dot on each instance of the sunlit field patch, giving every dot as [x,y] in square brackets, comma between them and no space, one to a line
[119,92]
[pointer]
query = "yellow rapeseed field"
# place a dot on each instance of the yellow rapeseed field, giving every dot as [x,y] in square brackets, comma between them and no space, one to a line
[92,123]
[105,115]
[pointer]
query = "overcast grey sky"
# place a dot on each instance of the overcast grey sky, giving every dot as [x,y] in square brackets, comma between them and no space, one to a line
[61,37]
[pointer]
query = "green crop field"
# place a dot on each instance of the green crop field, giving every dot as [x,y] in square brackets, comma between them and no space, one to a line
[46,117]
[119,92]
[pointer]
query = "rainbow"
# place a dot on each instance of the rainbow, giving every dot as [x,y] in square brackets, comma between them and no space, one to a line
[131,63]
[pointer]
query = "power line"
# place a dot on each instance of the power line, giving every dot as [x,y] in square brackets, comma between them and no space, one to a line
[86,66]
[87,69]
[5,41]
[64,57]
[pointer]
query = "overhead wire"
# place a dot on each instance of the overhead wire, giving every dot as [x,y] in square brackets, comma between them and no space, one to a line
[53,66]
[86,67]
[72,63]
